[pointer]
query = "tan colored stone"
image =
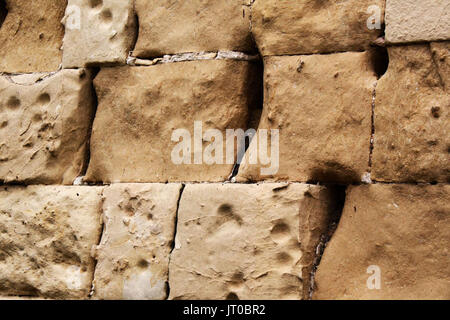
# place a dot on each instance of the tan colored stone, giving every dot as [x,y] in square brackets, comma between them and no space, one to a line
[411,115]
[414,21]
[133,256]
[140,108]
[313,26]
[44,126]
[168,27]
[247,241]
[98,32]
[402,229]
[46,236]
[322,106]
[31,36]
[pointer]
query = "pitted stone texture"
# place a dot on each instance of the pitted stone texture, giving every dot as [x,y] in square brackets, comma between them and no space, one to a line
[98,32]
[140,108]
[414,21]
[402,229]
[246,241]
[322,106]
[31,36]
[411,122]
[313,26]
[44,126]
[46,236]
[168,27]
[133,256]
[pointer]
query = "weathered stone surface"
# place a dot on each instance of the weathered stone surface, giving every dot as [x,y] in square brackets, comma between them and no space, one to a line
[44,126]
[413,21]
[98,32]
[46,236]
[322,106]
[411,115]
[247,241]
[313,26]
[168,27]
[140,108]
[31,35]
[133,256]
[402,229]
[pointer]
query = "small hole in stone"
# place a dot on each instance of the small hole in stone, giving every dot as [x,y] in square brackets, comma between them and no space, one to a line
[143,263]
[44,99]
[225,209]
[106,15]
[13,102]
[232,296]
[3,12]
[436,112]
[95,3]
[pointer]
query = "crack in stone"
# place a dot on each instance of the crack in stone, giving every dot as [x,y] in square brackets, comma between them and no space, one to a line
[339,194]
[173,242]
[95,247]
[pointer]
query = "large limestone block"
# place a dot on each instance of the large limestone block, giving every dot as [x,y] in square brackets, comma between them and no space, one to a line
[412,121]
[399,234]
[322,106]
[141,107]
[168,27]
[414,21]
[98,32]
[133,256]
[31,35]
[247,241]
[314,26]
[44,126]
[46,237]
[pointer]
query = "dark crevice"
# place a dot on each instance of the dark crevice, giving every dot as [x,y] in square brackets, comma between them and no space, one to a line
[172,247]
[3,12]
[255,102]
[379,56]
[94,98]
[379,59]
[136,28]
[337,201]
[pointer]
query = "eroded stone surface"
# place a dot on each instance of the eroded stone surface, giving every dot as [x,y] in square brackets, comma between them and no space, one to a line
[168,27]
[46,236]
[314,26]
[413,21]
[98,32]
[133,256]
[322,106]
[404,230]
[247,241]
[140,108]
[44,126]
[411,115]
[31,36]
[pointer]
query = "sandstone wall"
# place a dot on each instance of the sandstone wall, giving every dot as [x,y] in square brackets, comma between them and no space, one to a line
[339,191]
